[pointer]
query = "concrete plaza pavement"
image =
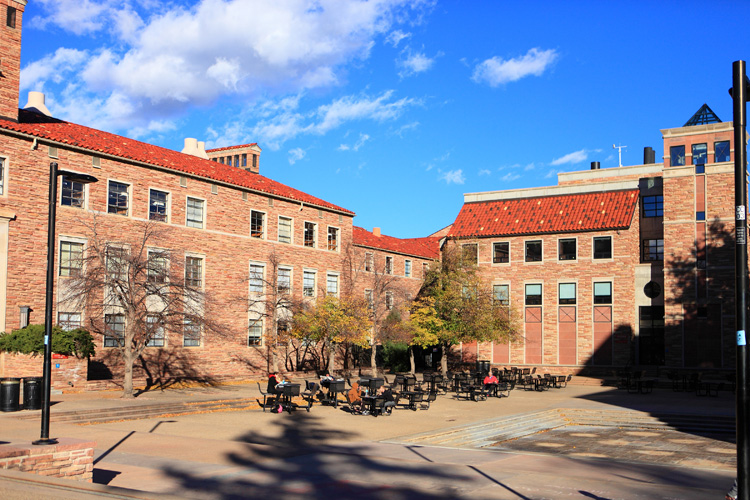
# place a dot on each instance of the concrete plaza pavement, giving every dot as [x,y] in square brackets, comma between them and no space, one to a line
[329,453]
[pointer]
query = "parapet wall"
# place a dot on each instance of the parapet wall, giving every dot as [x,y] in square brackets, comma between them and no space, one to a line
[69,458]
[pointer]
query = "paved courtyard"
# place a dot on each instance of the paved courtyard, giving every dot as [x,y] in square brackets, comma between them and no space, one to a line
[329,453]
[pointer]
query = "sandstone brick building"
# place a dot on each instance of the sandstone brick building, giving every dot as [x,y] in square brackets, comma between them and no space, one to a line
[629,265]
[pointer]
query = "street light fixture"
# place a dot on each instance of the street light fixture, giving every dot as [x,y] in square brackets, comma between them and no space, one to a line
[47,371]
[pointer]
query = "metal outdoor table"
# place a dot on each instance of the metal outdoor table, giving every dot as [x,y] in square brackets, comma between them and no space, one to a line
[335,387]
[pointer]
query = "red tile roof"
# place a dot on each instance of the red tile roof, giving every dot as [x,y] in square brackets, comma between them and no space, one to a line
[427,248]
[44,127]
[550,214]
[242,146]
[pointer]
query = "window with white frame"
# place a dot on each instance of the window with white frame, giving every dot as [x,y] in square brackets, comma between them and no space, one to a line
[501,252]
[257,224]
[157,205]
[332,284]
[566,294]
[602,247]
[256,278]
[157,267]
[195,215]
[308,283]
[191,333]
[72,193]
[333,239]
[388,300]
[255,332]
[369,262]
[285,230]
[118,198]
[407,268]
[389,265]
[154,331]
[566,249]
[501,295]
[114,330]
[370,300]
[69,320]
[603,292]
[117,263]
[71,258]
[310,234]
[284,280]
[469,253]
[533,250]
[533,295]
[194,272]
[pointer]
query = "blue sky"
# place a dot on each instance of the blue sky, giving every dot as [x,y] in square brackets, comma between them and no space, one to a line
[390,108]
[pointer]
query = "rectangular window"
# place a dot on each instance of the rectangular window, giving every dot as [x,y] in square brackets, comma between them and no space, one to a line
[2,175]
[69,320]
[700,215]
[71,258]
[194,213]
[308,283]
[257,224]
[157,205]
[255,162]
[603,292]
[256,278]
[389,265]
[244,160]
[117,263]
[469,254]
[194,272]
[369,262]
[533,295]
[72,193]
[285,230]
[310,234]
[653,250]
[117,199]
[114,329]
[332,284]
[191,333]
[602,247]
[700,153]
[154,331]
[567,249]
[333,239]
[653,206]
[284,280]
[501,295]
[721,151]
[501,252]
[677,156]
[567,293]
[255,332]
[533,251]
[407,268]
[370,301]
[388,300]
[157,267]
[11,17]
[425,269]
[237,160]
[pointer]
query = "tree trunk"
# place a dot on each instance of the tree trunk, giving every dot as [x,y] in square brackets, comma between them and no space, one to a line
[444,360]
[373,360]
[128,359]
[412,361]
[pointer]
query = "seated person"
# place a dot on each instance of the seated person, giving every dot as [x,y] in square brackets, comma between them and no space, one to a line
[273,382]
[390,400]
[353,397]
[490,379]
[325,380]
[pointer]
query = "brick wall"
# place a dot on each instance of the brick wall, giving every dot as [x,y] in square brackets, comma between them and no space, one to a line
[67,371]
[69,458]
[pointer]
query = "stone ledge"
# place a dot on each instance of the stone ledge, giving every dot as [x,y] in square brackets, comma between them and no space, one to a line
[72,458]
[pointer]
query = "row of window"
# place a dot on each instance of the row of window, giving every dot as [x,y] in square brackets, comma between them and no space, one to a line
[567,249]
[258,281]
[388,266]
[239,160]
[699,154]
[118,202]
[566,294]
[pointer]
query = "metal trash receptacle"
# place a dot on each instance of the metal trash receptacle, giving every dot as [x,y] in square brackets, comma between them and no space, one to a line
[483,366]
[32,393]
[10,392]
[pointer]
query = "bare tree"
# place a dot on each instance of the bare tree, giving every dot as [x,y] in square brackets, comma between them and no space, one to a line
[135,293]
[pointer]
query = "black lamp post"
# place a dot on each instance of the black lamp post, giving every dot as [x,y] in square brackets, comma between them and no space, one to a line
[47,373]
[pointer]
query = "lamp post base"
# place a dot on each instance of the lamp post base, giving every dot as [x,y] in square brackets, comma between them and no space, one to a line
[46,441]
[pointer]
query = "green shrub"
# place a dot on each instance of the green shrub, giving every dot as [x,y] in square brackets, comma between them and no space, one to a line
[396,356]
[30,340]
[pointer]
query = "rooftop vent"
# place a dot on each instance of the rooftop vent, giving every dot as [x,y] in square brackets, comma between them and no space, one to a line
[649,156]
[376,231]
[202,150]
[595,165]
[191,146]
[36,104]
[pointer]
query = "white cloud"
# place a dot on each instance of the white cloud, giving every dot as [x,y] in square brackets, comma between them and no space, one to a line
[167,57]
[363,138]
[497,71]
[484,171]
[349,108]
[56,68]
[395,37]
[405,128]
[510,176]
[453,177]
[530,166]
[571,158]
[296,155]
[414,63]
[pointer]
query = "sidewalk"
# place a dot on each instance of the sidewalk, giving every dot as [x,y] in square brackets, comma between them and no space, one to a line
[329,453]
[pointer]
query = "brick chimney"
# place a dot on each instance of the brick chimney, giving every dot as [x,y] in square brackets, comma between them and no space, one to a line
[11,14]
[376,231]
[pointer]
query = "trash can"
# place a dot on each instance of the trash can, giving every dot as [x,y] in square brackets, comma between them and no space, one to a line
[10,390]
[32,393]
[483,366]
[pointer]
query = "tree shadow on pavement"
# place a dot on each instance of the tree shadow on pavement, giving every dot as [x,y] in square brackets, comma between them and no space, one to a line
[301,456]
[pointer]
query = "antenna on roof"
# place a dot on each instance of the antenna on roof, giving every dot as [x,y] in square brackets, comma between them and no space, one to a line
[619,151]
